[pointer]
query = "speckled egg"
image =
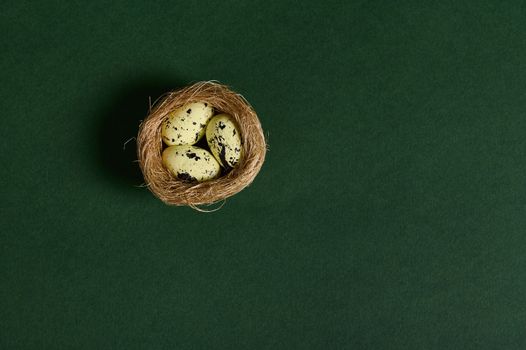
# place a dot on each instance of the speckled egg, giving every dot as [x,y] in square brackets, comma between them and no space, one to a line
[224,140]
[190,163]
[186,125]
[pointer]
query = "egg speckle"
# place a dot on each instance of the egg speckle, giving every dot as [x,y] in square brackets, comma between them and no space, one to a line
[224,140]
[190,163]
[186,125]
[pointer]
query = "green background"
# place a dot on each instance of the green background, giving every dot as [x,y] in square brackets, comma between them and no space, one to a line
[390,212]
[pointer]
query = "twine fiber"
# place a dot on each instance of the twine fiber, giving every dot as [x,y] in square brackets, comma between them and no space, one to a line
[173,191]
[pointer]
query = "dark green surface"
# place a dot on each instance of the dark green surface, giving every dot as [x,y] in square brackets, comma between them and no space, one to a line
[390,213]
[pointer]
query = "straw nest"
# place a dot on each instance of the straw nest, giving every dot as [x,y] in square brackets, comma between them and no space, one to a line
[173,191]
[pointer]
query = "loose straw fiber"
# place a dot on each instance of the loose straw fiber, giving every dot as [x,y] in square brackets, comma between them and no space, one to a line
[173,191]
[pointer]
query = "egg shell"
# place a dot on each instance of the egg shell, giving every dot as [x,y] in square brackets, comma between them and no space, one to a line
[224,140]
[186,125]
[190,163]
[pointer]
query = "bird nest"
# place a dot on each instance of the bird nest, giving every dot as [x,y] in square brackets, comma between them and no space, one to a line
[173,191]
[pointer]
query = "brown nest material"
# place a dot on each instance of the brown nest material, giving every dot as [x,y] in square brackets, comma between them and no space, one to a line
[173,191]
